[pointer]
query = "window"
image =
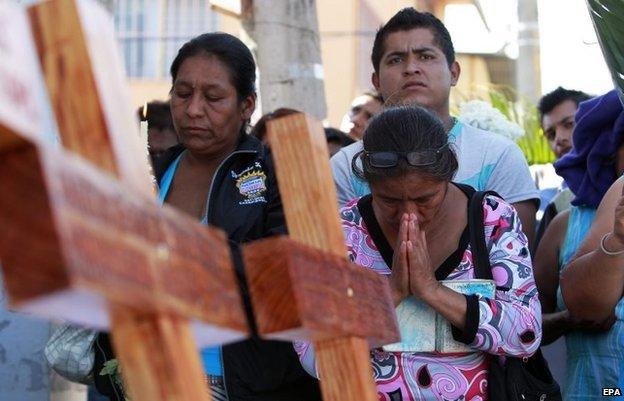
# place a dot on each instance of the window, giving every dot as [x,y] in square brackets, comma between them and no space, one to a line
[150,32]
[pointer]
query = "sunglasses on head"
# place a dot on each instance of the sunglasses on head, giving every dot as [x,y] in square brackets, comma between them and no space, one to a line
[389,159]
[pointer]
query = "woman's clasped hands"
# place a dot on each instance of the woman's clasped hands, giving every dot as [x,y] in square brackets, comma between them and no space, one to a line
[412,272]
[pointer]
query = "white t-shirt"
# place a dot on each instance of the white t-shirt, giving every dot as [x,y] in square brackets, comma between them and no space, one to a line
[487,161]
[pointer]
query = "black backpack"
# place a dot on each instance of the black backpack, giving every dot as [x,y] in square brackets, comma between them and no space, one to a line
[518,379]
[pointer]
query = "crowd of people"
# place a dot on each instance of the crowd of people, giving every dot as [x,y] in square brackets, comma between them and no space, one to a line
[408,175]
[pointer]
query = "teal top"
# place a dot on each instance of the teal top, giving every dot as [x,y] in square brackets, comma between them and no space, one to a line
[211,357]
[595,361]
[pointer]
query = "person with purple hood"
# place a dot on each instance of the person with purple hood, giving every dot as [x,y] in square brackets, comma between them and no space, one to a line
[597,160]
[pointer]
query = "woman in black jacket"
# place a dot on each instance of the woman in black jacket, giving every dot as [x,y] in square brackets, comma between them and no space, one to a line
[225,178]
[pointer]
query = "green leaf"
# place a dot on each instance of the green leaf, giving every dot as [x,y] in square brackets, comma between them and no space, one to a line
[111,368]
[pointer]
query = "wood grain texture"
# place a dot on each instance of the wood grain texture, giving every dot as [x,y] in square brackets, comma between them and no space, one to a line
[345,364]
[130,151]
[87,88]
[21,92]
[94,117]
[309,197]
[30,250]
[305,181]
[10,142]
[68,73]
[96,236]
[302,293]
[158,350]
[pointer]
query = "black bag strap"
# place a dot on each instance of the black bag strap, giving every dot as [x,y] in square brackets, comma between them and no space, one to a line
[480,254]
[519,375]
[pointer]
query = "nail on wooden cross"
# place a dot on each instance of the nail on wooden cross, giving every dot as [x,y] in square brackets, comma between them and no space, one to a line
[77,241]
[303,288]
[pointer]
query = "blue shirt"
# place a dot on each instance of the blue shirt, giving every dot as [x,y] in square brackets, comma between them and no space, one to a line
[211,356]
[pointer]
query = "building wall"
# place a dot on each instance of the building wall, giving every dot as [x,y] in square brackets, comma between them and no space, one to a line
[150,32]
[338,24]
[474,75]
[347,29]
[347,36]
[146,90]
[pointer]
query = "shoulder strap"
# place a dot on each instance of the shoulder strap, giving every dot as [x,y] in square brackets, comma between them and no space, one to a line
[480,255]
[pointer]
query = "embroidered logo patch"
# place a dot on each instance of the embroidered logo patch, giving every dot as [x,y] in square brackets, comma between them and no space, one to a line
[252,185]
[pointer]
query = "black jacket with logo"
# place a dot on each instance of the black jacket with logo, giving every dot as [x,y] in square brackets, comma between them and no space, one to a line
[243,201]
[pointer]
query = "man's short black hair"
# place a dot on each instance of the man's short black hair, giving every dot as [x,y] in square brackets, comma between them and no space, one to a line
[407,19]
[553,99]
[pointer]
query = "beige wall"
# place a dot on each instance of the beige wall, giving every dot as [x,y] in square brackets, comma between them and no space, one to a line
[347,29]
[229,24]
[347,59]
[347,33]
[145,91]
[474,74]
[337,22]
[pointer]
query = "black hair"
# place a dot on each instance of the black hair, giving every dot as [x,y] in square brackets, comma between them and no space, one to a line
[406,129]
[230,51]
[157,114]
[336,136]
[406,20]
[552,99]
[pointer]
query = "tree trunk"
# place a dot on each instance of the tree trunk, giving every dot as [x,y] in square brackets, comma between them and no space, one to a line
[286,41]
[528,71]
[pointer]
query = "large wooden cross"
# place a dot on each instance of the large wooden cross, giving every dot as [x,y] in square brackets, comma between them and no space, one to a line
[82,236]
[84,240]
[343,308]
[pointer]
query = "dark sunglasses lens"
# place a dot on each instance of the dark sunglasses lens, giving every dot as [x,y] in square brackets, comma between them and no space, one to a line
[383,159]
[421,158]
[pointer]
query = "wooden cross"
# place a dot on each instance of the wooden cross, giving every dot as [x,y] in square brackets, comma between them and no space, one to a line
[96,241]
[78,241]
[344,308]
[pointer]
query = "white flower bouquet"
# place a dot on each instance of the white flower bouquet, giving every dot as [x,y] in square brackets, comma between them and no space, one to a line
[482,115]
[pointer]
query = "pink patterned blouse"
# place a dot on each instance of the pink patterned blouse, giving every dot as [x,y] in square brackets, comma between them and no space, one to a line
[510,324]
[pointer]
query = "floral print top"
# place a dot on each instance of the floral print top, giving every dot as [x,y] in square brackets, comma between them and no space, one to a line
[508,325]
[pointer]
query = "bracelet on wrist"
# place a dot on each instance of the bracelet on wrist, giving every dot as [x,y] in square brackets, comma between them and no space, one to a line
[604,249]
